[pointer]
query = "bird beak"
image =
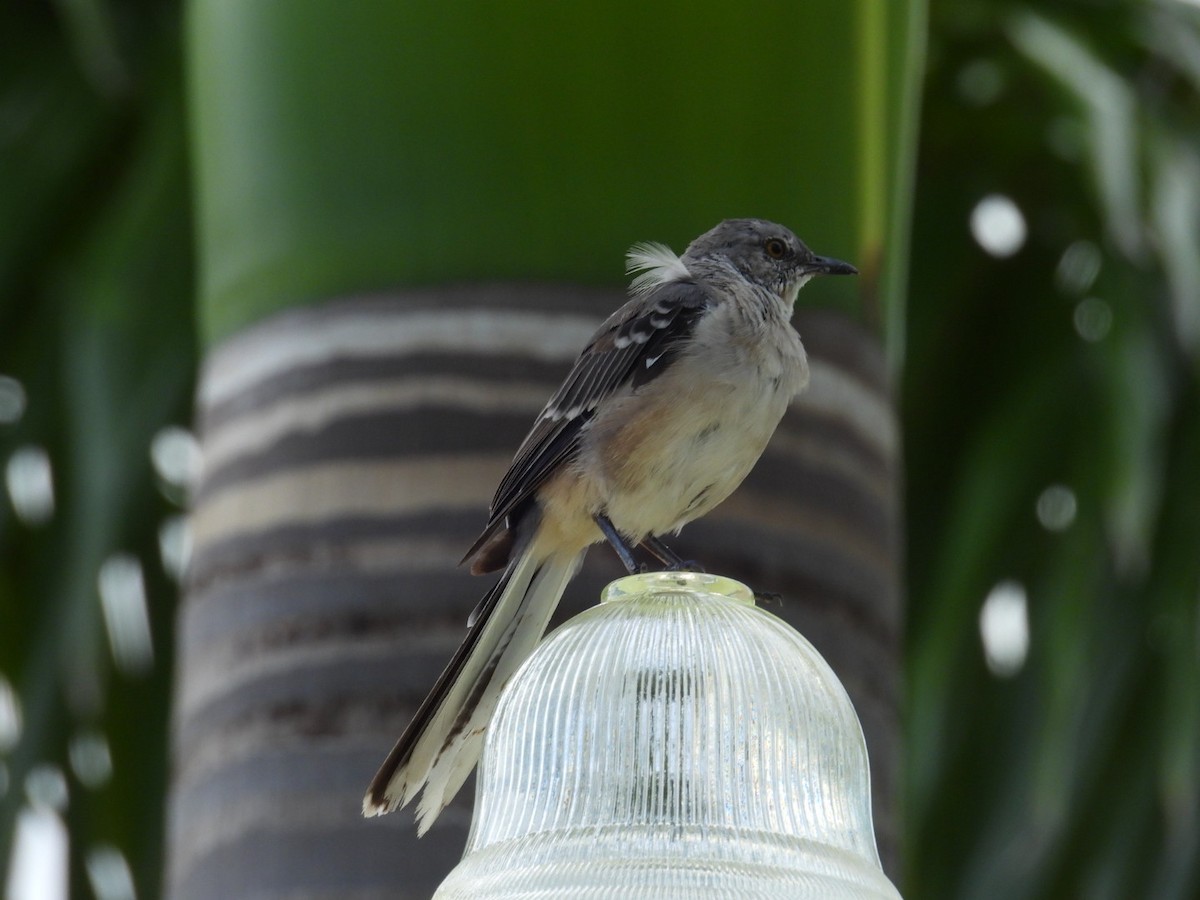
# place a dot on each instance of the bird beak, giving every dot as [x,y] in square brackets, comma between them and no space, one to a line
[827,265]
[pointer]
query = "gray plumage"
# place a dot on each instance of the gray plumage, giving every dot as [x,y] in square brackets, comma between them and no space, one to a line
[664,413]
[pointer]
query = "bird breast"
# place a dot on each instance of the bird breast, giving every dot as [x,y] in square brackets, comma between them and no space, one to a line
[682,443]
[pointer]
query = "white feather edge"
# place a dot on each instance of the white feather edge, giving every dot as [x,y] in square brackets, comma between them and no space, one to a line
[437,770]
[654,264]
[535,606]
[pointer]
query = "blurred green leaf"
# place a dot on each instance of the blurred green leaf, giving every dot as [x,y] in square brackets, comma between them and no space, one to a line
[1070,363]
[96,324]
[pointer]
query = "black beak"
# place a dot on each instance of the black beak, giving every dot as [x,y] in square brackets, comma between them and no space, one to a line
[827,265]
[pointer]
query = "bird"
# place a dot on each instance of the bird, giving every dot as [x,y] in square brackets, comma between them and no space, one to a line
[663,414]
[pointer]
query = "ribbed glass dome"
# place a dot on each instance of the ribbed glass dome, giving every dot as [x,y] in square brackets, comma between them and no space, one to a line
[675,741]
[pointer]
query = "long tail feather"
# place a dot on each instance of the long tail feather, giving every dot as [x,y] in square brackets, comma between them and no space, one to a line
[443,742]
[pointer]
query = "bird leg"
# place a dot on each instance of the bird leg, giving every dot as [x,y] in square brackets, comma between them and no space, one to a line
[655,547]
[622,549]
[676,563]
[668,557]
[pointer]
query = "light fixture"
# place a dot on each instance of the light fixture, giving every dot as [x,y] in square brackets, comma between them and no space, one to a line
[675,741]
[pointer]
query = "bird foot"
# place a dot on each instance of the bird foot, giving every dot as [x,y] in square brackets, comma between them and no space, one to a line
[768,598]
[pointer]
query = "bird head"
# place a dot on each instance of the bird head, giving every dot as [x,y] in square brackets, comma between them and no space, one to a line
[762,253]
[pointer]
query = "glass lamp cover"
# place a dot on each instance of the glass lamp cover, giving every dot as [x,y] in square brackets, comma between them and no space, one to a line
[675,741]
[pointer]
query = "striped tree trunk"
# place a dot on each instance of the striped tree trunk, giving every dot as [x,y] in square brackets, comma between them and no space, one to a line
[351,448]
[350,452]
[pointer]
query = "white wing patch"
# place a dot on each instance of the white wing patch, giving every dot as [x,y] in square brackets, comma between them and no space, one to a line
[655,264]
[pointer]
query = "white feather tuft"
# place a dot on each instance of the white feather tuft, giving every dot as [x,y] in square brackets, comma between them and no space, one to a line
[654,264]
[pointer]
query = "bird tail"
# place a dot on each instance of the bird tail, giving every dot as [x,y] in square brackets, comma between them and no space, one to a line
[443,742]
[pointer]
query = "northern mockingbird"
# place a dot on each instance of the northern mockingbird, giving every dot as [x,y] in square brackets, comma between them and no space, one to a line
[664,413]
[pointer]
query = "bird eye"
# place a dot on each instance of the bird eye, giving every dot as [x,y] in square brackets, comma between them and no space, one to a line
[776,249]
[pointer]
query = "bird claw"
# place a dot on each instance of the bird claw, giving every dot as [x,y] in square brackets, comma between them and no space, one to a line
[768,598]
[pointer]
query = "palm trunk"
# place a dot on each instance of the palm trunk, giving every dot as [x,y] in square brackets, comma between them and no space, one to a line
[350,454]
[351,447]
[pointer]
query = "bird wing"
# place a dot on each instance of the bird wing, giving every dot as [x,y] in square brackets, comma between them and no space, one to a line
[635,344]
